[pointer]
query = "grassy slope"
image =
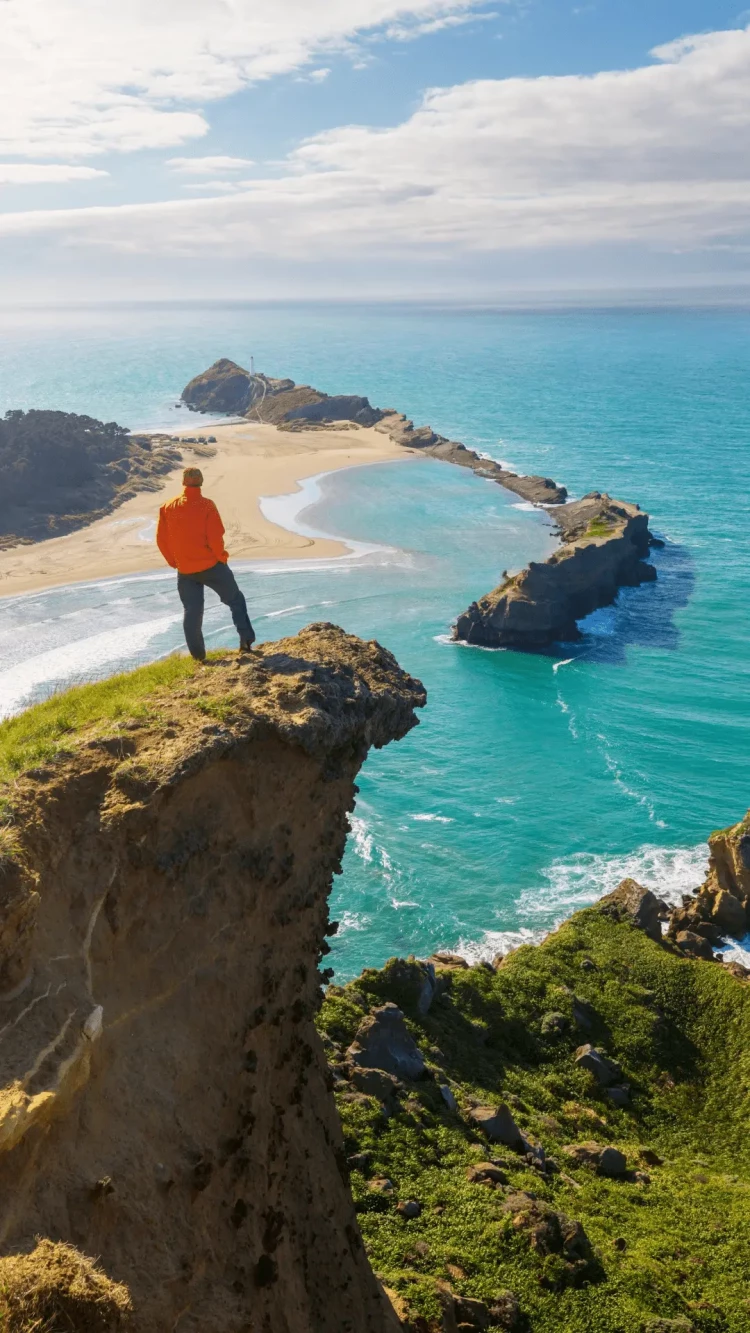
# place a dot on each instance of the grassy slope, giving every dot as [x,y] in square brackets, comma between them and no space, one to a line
[680,1029]
[39,734]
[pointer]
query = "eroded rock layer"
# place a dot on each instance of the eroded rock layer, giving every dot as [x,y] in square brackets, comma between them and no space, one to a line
[164,1102]
[604,545]
[227,387]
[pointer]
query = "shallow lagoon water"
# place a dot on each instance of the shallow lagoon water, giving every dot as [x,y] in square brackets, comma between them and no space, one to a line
[534,783]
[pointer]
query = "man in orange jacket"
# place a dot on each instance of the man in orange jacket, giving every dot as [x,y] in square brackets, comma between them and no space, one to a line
[190,536]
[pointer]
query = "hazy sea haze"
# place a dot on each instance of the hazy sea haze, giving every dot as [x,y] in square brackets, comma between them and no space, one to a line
[534,783]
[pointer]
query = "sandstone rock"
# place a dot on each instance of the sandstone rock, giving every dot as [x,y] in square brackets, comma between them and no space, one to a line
[605,1071]
[381,1185]
[375,1083]
[736,969]
[449,960]
[383,1041]
[729,914]
[604,548]
[486,1173]
[190,916]
[498,1124]
[694,945]
[631,902]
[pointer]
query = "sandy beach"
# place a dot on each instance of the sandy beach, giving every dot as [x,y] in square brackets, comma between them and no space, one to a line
[251,462]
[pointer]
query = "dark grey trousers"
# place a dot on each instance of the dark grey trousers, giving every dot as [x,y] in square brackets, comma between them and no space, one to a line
[221,580]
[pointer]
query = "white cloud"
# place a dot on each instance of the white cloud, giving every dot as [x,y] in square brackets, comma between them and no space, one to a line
[655,155]
[79,77]
[44,173]
[406,32]
[204,166]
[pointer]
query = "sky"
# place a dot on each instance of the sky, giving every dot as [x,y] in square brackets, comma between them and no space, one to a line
[174,149]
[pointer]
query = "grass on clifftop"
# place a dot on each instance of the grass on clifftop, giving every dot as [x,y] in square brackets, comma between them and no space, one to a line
[35,736]
[674,1246]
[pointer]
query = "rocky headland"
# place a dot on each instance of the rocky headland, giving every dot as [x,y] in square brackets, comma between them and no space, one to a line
[197,1133]
[227,387]
[60,471]
[604,545]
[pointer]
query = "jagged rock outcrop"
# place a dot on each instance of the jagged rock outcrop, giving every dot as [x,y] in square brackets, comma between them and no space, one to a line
[605,542]
[60,471]
[164,1104]
[227,387]
[721,907]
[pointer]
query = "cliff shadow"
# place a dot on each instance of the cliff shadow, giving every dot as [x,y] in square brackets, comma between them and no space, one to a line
[642,616]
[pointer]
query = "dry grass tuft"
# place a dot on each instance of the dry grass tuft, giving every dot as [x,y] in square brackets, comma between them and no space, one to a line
[56,1289]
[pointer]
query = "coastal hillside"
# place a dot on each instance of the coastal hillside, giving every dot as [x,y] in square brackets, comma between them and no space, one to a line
[165,864]
[197,1131]
[566,1148]
[60,471]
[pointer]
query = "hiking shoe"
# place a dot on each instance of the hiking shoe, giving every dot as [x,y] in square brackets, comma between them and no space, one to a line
[246,644]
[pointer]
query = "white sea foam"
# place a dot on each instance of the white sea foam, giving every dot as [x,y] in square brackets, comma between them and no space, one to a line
[525,506]
[286,510]
[567,661]
[497,941]
[431,819]
[578,880]
[362,838]
[738,951]
[76,662]
[285,611]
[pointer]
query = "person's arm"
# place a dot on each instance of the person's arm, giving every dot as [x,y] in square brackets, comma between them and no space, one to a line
[163,541]
[215,533]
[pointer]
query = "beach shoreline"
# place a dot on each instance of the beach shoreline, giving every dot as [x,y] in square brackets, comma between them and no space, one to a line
[253,463]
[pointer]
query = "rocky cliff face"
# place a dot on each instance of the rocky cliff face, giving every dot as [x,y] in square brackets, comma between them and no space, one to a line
[605,542]
[164,1097]
[226,387]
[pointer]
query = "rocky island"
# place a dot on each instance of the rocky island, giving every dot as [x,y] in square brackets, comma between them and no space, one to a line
[604,546]
[60,471]
[198,1133]
[227,387]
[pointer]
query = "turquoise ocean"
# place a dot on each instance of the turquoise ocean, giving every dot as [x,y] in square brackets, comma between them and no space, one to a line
[534,783]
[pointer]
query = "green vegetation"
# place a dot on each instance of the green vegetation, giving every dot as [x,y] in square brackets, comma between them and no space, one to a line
[38,735]
[672,1243]
[598,527]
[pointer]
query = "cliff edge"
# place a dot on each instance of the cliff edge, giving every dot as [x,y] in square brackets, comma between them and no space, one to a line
[603,549]
[164,879]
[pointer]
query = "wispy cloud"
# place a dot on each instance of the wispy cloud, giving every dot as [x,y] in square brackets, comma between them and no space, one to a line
[204,166]
[654,156]
[79,78]
[407,32]
[44,173]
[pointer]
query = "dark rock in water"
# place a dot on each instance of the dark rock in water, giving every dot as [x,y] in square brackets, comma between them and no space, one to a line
[383,1041]
[631,902]
[605,1071]
[498,1124]
[224,387]
[227,387]
[605,542]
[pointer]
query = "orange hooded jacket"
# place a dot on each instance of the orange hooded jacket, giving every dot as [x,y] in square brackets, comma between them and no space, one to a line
[190,534]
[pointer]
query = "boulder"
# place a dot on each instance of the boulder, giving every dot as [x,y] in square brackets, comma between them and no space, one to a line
[486,1173]
[619,1095]
[409,1208]
[383,1041]
[631,902]
[552,1233]
[498,1125]
[446,959]
[375,1083]
[584,1154]
[448,1097]
[554,1024]
[470,1313]
[605,1071]
[613,1163]
[696,946]
[728,913]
